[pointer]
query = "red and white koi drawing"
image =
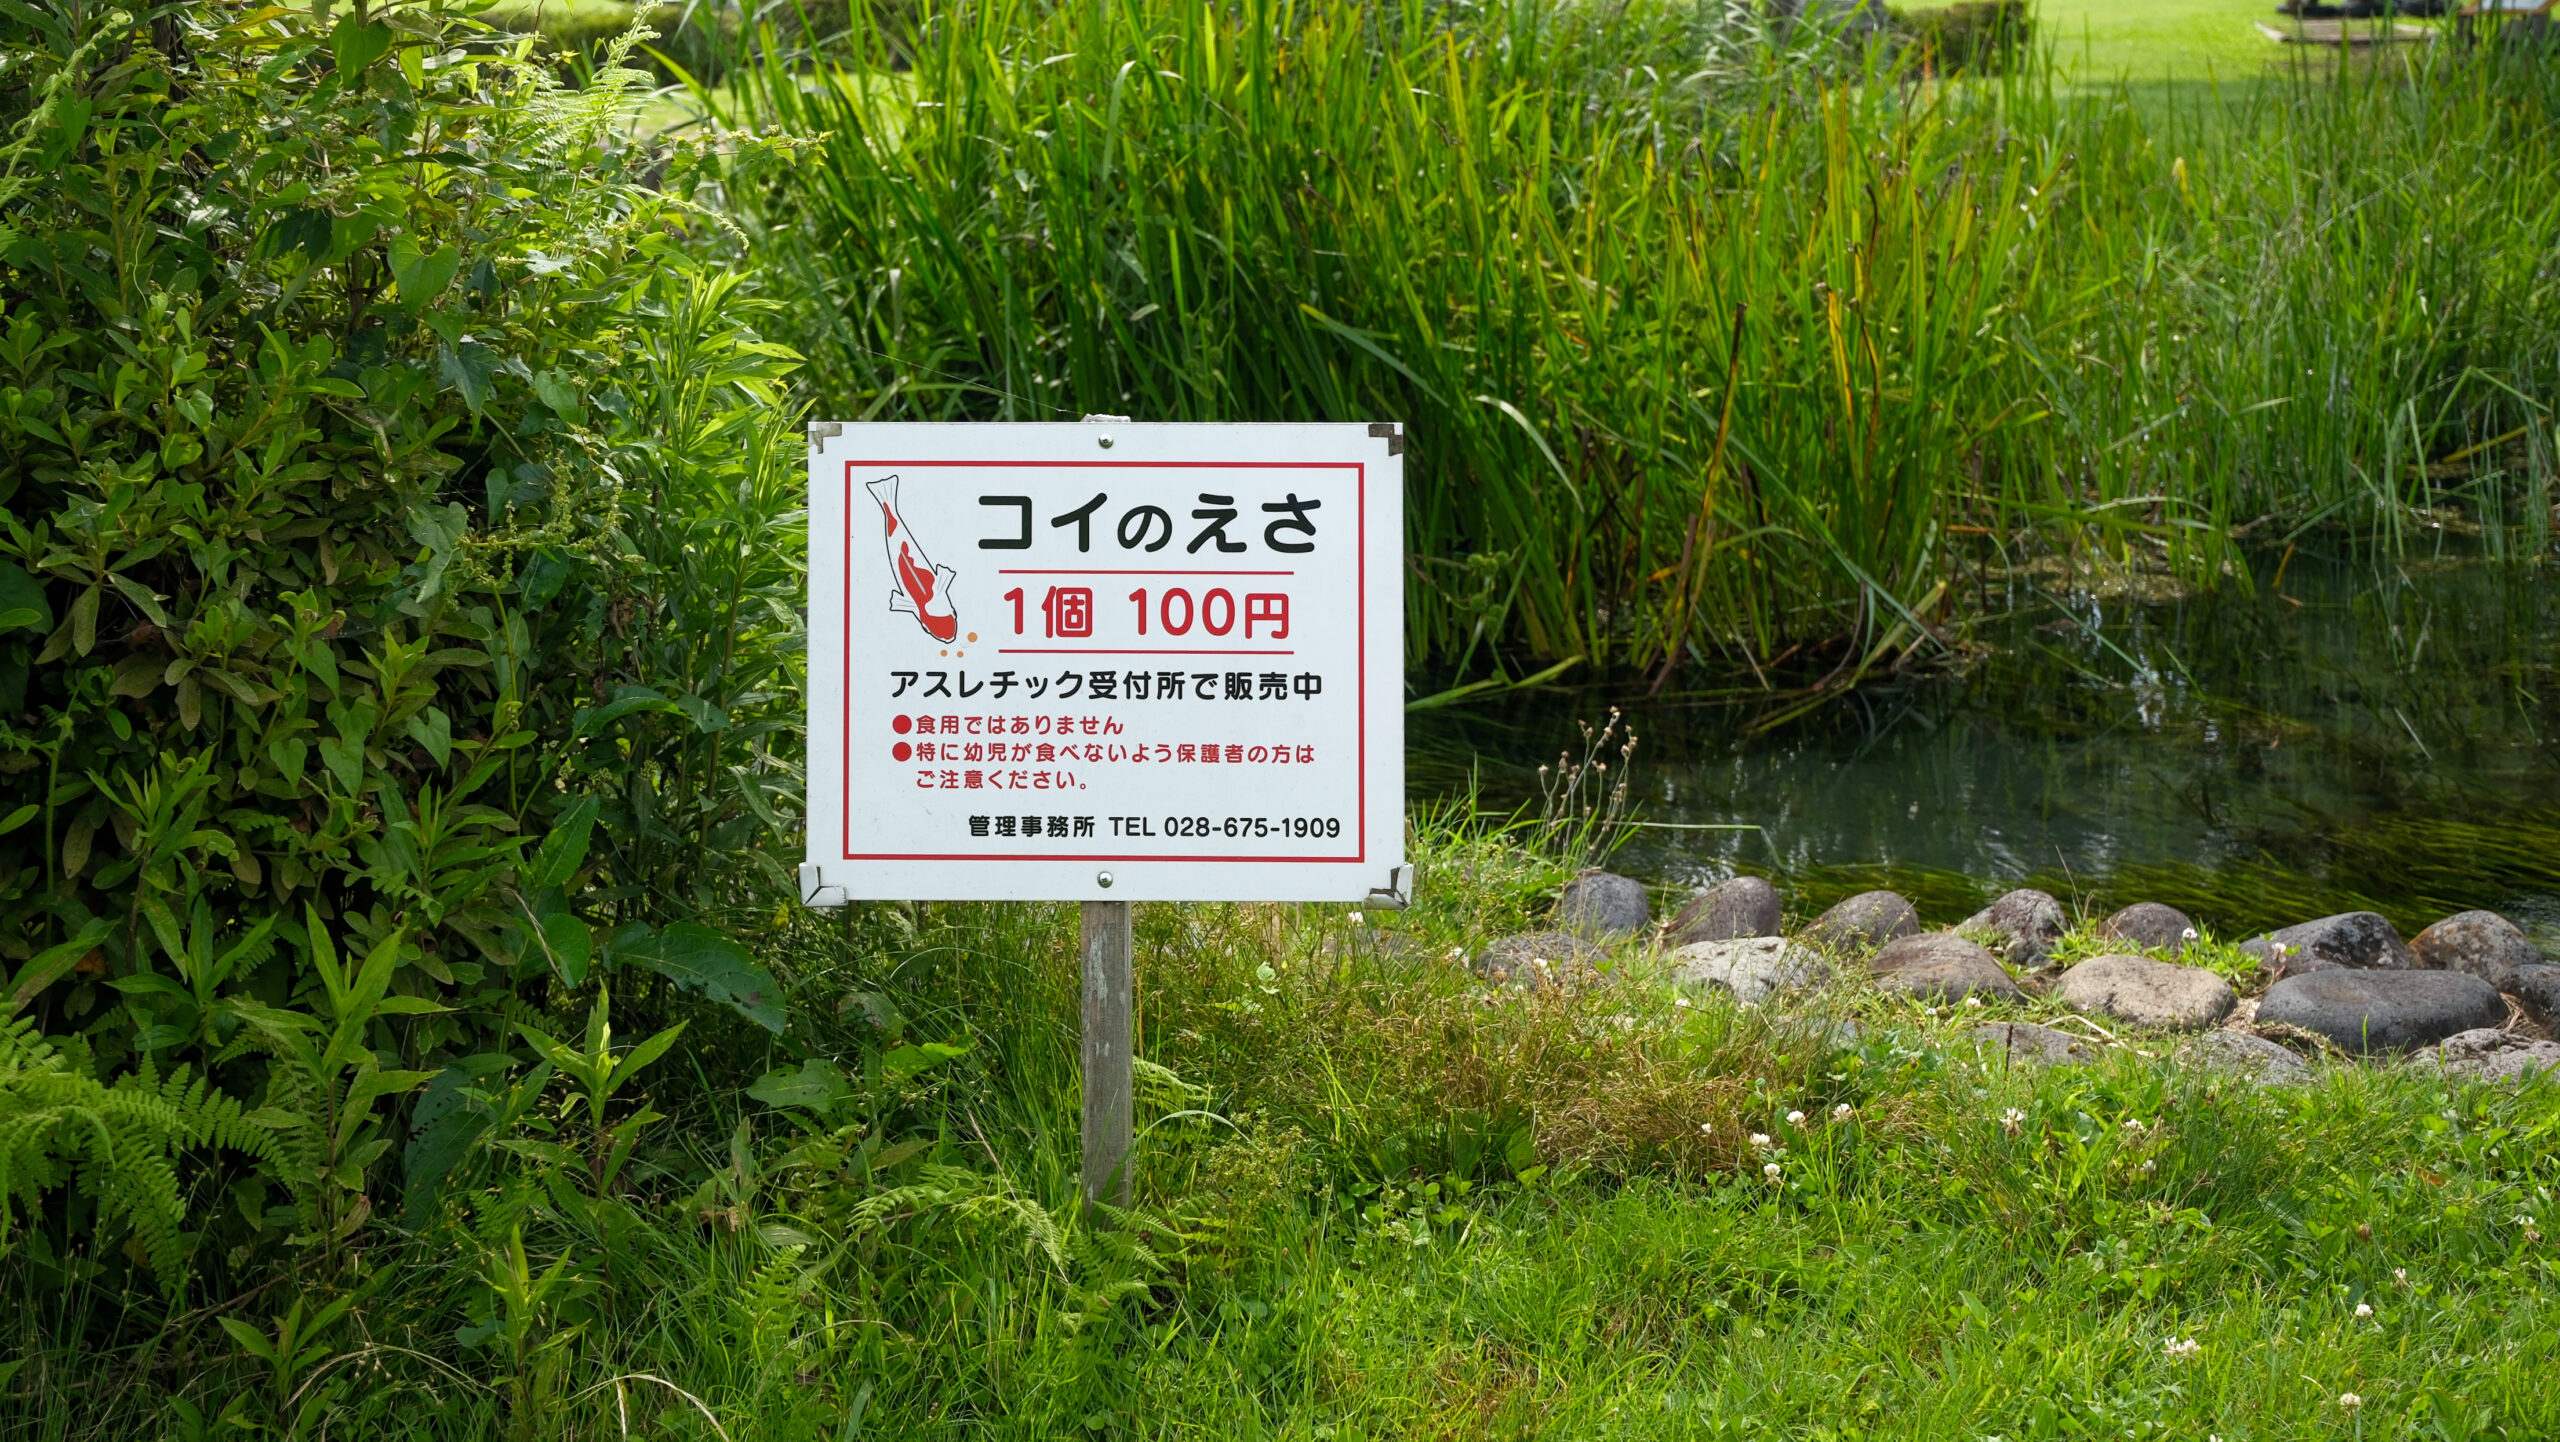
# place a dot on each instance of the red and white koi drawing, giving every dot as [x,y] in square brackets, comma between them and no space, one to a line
[924,589]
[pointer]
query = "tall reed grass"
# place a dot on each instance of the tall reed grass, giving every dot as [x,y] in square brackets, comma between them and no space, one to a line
[1715,342]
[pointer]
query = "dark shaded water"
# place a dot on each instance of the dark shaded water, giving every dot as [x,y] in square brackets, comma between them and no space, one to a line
[2382,735]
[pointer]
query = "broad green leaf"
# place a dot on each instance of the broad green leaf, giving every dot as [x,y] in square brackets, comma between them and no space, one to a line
[251,1340]
[22,602]
[591,719]
[345,760]
[646,1052]
[570,944]
[565,849]
[357,44]
[137,675]
[699,959]
[471,369]
[443,1128]
[433,730]
[818,1086]
[900,1063]
[149,983]
[550,1050]
[71,117]
[51,964]
[421,276]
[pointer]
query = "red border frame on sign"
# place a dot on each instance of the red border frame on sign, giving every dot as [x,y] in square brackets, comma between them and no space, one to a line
[1360,825]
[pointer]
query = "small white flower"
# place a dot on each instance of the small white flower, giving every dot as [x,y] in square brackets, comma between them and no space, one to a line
[1840,1113]
[2011,1119]
[1354,918]
[2181,1348]
[2147,1167]
[1680,1001]
[1759,1139]
[1770,1170]
[1973,1001]
[2350,1401]
[2133,1124]
[2188,935]
[1706,1129]
[2399,1276]
[1795,1119]
[1457,953]
[2364,1309]
[1540,962]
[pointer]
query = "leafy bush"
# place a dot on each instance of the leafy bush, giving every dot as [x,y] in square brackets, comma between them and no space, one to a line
[1980,37]
[388,482]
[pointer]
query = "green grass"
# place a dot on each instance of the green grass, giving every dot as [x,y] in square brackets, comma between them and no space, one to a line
[2161,40]
[1377,1201]
[1715,355]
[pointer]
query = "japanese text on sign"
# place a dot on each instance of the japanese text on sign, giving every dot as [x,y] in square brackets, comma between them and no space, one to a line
[1186,640]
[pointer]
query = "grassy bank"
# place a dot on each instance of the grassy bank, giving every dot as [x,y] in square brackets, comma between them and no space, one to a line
[1712,349]
[1376,1200]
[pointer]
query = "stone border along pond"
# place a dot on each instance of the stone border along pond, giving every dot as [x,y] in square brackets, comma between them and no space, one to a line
[2471,995]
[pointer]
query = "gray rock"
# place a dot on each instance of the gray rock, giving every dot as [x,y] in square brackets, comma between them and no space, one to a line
[1861,924]
[2351,938]
[2149,925]
[1601,904]
[2275,966]
[2538,987]
[1752,969]
[2482,943]
[1941,967]
[1727,911]
[2021,1041]
[2147,992]
[1538,959]
[2241,1052]
[2031,920]
[2366,1011]
[2488,1054]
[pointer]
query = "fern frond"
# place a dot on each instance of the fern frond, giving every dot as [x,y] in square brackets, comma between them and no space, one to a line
[116,1144]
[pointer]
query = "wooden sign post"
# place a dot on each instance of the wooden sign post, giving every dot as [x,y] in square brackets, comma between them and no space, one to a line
[1108,1038]
[1106,663]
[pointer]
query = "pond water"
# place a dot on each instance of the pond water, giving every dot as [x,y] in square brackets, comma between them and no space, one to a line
[2365,734]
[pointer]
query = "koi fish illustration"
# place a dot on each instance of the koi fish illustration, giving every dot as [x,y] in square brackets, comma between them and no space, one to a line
[924,589]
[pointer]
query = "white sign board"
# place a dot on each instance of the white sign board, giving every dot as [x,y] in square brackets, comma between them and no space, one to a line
[1105,662]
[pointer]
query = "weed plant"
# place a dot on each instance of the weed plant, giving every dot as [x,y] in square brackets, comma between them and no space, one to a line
[1713,343]
[1377,1198]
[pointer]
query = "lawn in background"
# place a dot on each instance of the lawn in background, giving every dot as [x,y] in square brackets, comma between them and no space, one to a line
[2192,44]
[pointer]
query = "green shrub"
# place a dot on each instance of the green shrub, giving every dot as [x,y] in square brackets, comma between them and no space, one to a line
[388,483]
[1980,37]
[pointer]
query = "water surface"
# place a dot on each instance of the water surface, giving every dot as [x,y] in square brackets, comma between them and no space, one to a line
[2365,734]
